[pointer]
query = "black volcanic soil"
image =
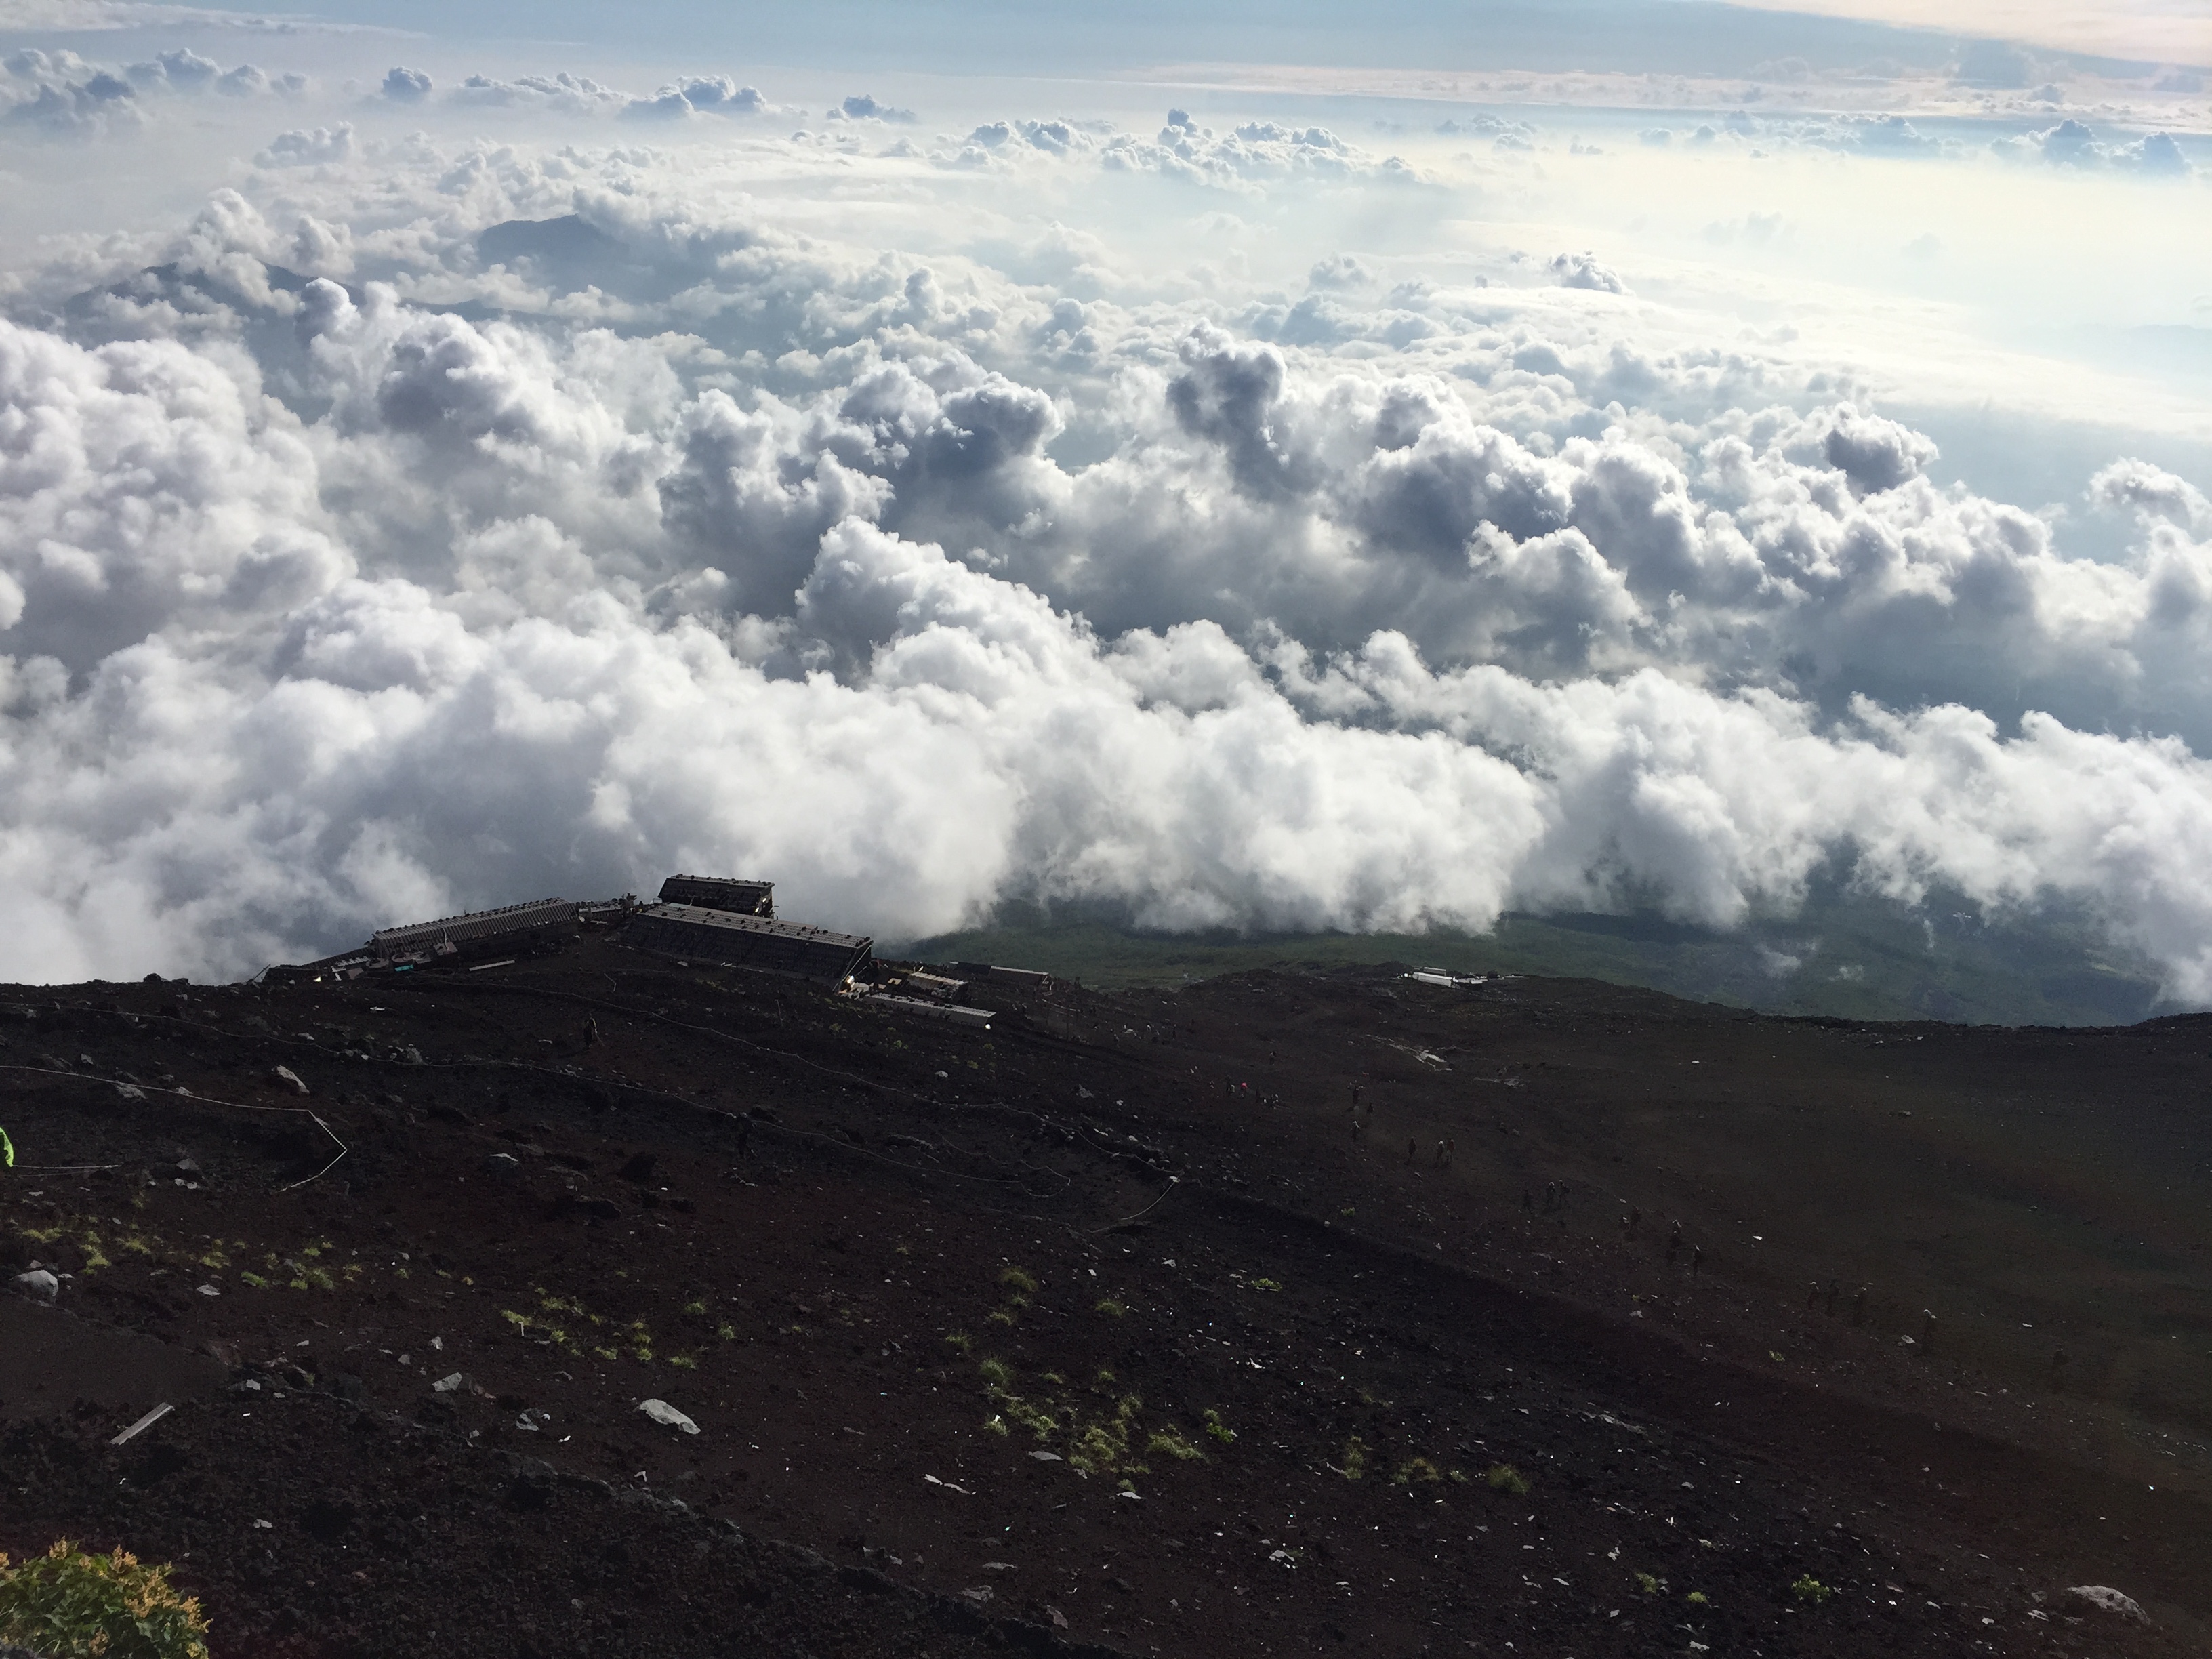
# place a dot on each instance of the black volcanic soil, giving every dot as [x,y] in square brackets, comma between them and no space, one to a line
[1102,1330]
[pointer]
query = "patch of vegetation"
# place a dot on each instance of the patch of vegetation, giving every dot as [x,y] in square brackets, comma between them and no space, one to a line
[1019,1279]
[1220,1430]
[1809,1589]
[959,1339]
[1354,1467]
[1112,1308]
[1265,1284]
[68,1604]
[1504,1477]
[1697,1599]
[1093,1441]
[1417,1471]
[1649,1584]
[1169,1443]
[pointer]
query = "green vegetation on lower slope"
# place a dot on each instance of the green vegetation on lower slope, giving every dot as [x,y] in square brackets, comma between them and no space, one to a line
[1853,958]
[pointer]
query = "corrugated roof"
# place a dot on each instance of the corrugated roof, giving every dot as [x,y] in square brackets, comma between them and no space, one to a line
[474,924]
[761,942]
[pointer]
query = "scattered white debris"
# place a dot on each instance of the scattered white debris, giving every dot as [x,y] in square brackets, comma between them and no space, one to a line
[999,1566]
[662,1413]
[947,1484]
[2112,1600]
[143,1423]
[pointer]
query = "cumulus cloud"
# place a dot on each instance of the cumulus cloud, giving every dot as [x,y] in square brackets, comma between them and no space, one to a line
[698,95]
[573,93]
[864,107]
[422,527]
[62,95]
[309,147]
[1584,271]
[2073,143]
[406,86]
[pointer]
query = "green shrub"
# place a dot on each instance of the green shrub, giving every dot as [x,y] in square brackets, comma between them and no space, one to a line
[1504,1477]
[1809,1589]
[70,1605]
[1016,1279]
[1355,1459]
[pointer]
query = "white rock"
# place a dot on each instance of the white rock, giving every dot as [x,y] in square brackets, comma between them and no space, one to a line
[2112,1600]
[1046,1456]
[290,1079]
[661,1411]
[210,1290]
[38,1283]
[448,1385]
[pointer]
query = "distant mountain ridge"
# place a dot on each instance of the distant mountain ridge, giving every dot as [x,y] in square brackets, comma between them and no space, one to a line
[1842,956]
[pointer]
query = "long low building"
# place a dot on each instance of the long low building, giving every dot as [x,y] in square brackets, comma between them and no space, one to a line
[695,934]
[511,930]
[472,928]
[739,899]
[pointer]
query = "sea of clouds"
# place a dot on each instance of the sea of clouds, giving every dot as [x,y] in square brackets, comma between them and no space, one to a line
[1242,521]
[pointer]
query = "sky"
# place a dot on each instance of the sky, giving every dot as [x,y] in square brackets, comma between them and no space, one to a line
[1233,467]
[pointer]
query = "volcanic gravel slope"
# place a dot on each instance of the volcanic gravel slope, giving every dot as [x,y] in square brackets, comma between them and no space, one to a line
[1104,1329]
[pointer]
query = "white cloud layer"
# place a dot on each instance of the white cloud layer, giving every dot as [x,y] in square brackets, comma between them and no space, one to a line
[1032,508]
